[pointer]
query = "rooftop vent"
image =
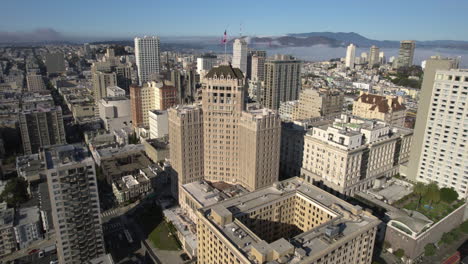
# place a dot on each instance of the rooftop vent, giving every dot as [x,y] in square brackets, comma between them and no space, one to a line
[332,231]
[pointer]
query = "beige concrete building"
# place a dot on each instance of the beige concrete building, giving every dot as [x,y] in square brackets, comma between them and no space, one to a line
[233,143]
[186,144]
[386,108]
[131,187]
[350,154]
[321,102]
[287,222]
[282,81]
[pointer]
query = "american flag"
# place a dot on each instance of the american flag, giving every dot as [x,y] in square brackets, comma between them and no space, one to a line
[224,40]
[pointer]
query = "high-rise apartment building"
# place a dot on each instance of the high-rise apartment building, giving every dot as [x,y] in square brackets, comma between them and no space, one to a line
[382,58]
[239,55]
[443,154]
[158,123]
[405,54]
[288,222]
[282,81]
[350,56]
[318,102]
[35,83]
[374,56]
[151,96]
[424,106]
[101,81]
[7,233]
[386,108]
[258,65]
[235,143]
[348,155]
[147,52]
[55,63]
[73,191]
[205,63]
[40,127]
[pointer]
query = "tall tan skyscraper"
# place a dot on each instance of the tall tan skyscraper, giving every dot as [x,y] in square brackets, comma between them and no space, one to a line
[282,81]
[406,53]
[102,80]
[350,56]
[374,56]
[425,96]
[240,144]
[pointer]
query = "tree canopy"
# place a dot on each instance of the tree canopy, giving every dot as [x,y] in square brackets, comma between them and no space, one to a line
[15,192]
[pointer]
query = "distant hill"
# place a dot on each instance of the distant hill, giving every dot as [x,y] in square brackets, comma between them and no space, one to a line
[361,41]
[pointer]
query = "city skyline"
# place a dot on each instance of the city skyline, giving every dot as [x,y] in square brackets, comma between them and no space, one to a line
[107,20]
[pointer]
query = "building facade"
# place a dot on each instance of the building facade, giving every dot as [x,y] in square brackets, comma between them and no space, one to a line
[147,54]
[71,179]
[41,127]
[239,55]
[239,144]
[424,106]
[386,108]
[444,154]
[158,123]
[35,83]
[406,53]
[282,81]
[350,56]
[348,155]
[321,102]
[373,56]
[287,222]
[55,63]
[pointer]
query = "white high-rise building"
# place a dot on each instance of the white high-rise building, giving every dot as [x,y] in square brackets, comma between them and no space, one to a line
[443,154]
[350,56]
[239,56]
[205,63]
[147,57]
[382,59]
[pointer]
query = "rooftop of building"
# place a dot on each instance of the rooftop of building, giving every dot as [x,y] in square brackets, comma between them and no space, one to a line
[225,71]
[348,221]
[129,149]
[62,155]
[159,143]
[28,215]
[128,182]
[158,112]
[29,165]
[207,193]
[7,216]
[383,104]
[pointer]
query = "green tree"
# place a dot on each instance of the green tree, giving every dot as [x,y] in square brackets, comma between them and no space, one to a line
[433,193]
[429,250]
[447,238]
[448,195]
[400,253]
[464,227]
[419,189]
[15,192]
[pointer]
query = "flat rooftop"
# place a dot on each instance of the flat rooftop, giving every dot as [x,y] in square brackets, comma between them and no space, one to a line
[60,155]
[207,193]
[351,220]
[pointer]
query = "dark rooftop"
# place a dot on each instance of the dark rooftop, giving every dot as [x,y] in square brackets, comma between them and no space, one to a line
[225,71]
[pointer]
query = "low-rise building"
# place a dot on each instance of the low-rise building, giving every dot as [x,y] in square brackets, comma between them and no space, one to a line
[31,168]
[7,234]
[318,102]
[386,108]
[131,187]
[289,222]
[157,149]
[28,227]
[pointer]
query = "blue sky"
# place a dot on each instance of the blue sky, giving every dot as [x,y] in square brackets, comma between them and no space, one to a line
[377,19]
